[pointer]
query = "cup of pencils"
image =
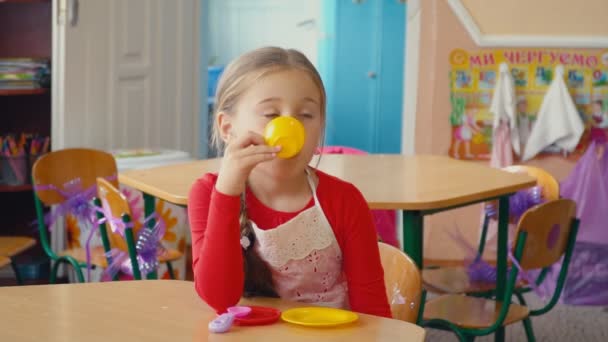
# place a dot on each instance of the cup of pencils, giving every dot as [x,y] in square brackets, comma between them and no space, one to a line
[17,155]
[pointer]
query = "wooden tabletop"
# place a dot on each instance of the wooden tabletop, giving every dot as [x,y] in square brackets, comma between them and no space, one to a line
[157,310]
[386,181]
[13,245]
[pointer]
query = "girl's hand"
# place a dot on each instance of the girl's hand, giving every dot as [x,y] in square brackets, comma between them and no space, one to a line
[242,154]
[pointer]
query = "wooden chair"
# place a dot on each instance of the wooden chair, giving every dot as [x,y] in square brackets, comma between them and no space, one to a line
[56,169]
[549,189]
[545,233]
[454,278]
[403,283]
[119,208]
[4,261]
[10,247]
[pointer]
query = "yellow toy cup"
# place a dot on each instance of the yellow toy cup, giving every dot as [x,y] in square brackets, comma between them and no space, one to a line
[287,132]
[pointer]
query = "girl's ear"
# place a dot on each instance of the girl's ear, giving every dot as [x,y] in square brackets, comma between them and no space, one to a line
[224,123]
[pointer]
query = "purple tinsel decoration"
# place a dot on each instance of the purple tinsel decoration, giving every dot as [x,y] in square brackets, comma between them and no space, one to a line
[481,271]
[519,203]
[147,246]
[77,202]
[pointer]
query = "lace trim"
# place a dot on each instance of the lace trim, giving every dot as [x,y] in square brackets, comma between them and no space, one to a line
[295,239]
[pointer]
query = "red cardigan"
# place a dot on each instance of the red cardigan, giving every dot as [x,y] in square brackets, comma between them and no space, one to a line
[216,249]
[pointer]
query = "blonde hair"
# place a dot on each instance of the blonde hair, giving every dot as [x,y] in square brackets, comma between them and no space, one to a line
[242,73]
[239,76]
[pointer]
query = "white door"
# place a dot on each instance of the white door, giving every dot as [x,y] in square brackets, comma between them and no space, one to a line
[125,74]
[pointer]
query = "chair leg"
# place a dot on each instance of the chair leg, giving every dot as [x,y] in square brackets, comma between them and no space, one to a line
[54,271]
[18,277]
[79,273]
[462,337]
[499,335]
[484,234]
[74,265]
[529,331]
[521,299]
[170,270]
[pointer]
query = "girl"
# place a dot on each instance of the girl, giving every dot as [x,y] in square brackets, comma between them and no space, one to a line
[276,227]
[465,134]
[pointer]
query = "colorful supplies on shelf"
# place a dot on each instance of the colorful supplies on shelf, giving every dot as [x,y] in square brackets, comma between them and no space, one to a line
[24,73]
[17,155]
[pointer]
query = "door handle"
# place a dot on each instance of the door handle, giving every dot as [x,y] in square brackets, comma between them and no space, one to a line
[372,74]
[73,10]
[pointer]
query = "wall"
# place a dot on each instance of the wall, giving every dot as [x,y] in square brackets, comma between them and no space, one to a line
[540,17]
[441,32]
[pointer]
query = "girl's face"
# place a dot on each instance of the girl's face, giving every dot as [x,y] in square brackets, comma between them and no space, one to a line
[282,93]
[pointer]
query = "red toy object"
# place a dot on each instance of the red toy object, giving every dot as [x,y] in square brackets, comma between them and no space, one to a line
[259,315]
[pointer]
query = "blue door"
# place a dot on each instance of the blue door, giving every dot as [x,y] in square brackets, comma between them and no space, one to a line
[361,60]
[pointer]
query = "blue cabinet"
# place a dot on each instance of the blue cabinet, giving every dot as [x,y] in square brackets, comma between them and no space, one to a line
[361,61]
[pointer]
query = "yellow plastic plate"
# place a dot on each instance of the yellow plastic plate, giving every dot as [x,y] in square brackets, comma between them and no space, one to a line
[319,317]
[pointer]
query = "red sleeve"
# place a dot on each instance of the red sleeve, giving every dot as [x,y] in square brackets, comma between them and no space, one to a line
[217,260]
[359,244]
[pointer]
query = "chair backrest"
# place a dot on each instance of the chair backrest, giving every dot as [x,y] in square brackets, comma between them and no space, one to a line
[118,205]
[548,227]
[402,281]
[59,167]
[4,261]
[548,183]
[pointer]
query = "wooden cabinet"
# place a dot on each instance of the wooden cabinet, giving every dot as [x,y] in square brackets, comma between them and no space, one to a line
[25,31]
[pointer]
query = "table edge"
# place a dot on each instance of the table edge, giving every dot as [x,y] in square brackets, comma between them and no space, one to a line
[165,196]
[477,197]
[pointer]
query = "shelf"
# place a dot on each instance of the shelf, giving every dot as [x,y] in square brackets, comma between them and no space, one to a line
[22,1]
[16,92]
[15,188]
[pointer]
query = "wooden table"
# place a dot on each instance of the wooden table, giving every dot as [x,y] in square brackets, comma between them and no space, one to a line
[419,185]
[386,181]
[157,310]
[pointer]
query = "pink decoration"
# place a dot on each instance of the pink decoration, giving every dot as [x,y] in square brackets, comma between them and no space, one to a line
[385,220]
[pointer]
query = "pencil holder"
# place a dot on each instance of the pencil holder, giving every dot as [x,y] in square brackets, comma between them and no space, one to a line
[14,170]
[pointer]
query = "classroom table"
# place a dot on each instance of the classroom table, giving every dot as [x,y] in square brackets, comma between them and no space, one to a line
[418,185]
[158,310]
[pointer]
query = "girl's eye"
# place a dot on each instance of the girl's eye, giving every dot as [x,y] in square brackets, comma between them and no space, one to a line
[306,115]
[271,115]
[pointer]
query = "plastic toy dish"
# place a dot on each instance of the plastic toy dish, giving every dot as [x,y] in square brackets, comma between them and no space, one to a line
[239,311]
[259,315]
[319,317]
[287,132]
